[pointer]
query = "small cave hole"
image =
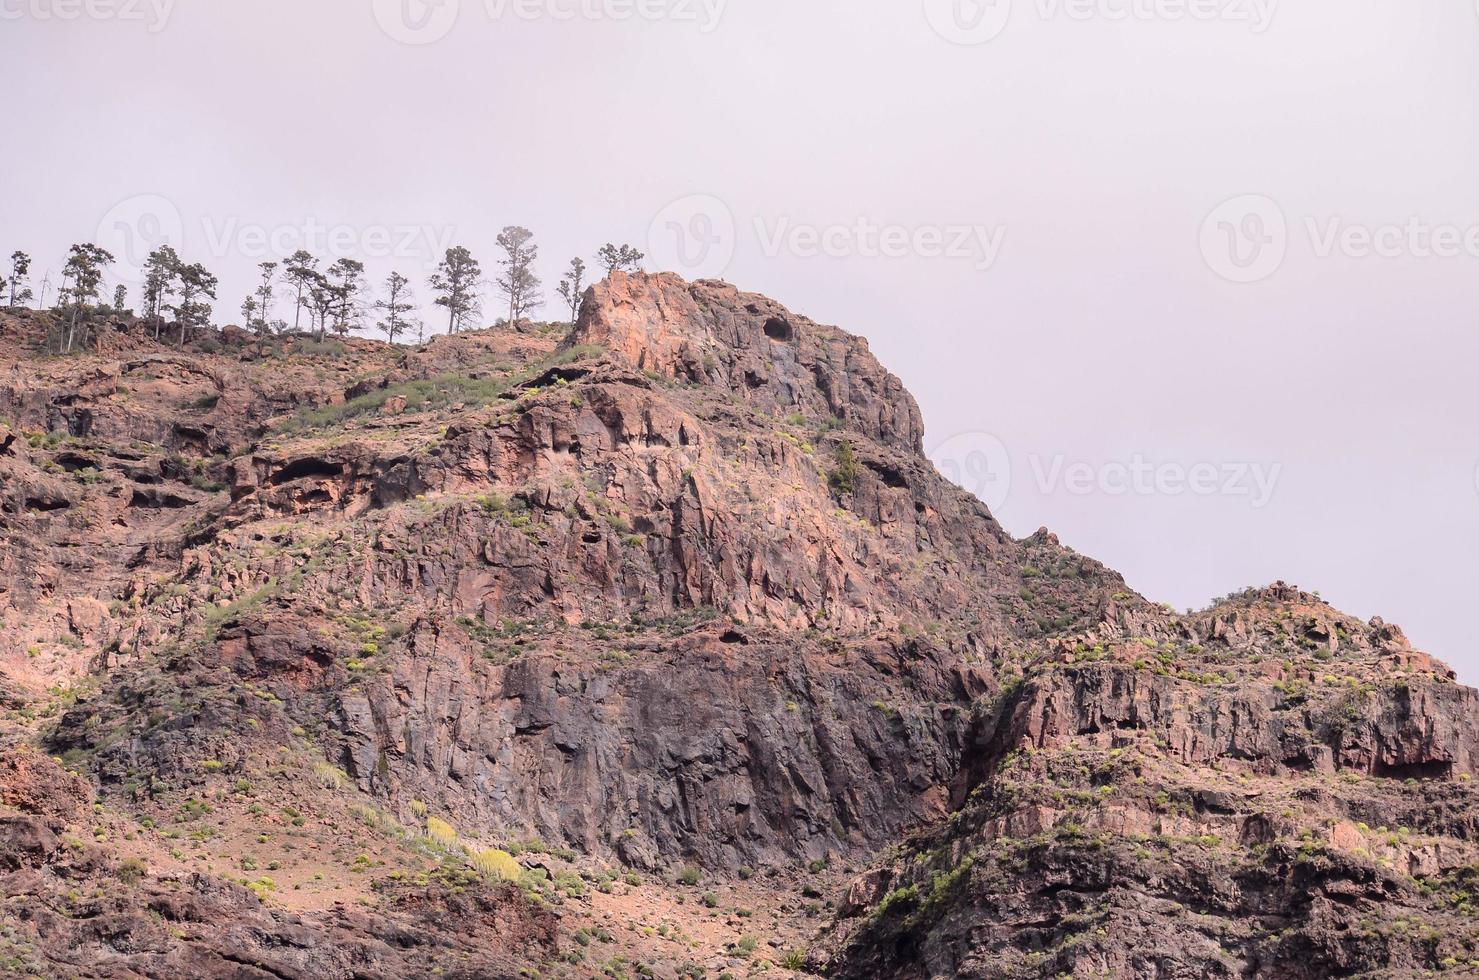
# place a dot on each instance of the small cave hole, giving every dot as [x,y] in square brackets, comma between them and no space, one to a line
[72,462]
[157,500]
[778,329]
[306,467]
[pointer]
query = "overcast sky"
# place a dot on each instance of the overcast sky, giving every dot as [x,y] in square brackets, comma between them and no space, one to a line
[1191,282]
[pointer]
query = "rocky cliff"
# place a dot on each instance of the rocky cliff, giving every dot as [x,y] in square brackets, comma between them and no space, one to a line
[664,622]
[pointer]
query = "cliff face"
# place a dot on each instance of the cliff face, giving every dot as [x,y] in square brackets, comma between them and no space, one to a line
[673,589]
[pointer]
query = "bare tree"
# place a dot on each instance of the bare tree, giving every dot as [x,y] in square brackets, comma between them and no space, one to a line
[572,287]
[518,281]
[456,282]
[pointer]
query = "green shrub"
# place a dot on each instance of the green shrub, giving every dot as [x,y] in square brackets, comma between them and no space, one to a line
[844,476]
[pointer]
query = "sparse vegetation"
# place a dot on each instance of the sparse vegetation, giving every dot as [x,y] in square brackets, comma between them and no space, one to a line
[843,478]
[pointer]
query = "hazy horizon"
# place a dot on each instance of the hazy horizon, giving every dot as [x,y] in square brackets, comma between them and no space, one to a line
[1195,291]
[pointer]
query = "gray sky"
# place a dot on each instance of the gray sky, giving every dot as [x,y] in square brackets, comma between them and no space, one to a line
[1191,282]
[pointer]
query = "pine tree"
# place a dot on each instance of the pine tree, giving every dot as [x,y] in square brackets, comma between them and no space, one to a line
[346,283]
[194,285]
[321,303]
[572,287]
[20,269]
[264,294]
[620,258]
[160,269]
[456,281]
[301,272]
[518,281]
[395,306]
[84,274]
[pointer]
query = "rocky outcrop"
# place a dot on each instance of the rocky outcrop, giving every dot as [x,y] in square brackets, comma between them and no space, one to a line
[708,332]
[674,598]
[1194,811]
[1425,730]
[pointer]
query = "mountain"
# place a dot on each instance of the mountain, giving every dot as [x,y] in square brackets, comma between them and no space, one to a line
[653,646]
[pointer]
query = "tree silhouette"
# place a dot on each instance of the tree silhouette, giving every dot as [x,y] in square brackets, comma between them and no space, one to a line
[572,286]
[623,258]
[517,281]
[456,283]
[395,306]
[84,274]
[20,270]
[300,271]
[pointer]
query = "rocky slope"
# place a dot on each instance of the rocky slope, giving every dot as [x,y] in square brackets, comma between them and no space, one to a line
[671,612]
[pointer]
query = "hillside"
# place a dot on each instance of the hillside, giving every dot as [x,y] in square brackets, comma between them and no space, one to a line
[656,647]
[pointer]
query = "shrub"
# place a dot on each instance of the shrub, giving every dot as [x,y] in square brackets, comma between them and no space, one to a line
[131,870]
[332,777]
[441,832]
[844,476]
[498,865]
[690,876]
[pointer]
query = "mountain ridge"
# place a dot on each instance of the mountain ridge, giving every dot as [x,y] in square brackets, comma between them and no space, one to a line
[674,590]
